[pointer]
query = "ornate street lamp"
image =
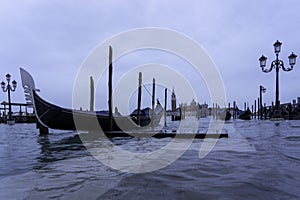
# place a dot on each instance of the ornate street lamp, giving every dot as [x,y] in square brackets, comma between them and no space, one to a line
[277,64]
[9,89]
[262,89]
[292,59]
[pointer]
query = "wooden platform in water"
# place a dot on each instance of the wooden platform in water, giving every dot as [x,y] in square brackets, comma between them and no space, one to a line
[167,135]
[21,119]
[277,119]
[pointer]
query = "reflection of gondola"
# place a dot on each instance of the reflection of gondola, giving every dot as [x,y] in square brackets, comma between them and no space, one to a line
[246,115]
[55,117]
[60,149]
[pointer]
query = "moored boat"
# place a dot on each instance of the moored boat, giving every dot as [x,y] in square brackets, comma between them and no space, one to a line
[56,117]
[246,115]
[224,115]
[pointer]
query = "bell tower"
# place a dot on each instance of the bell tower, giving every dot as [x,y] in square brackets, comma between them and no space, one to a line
[173,103]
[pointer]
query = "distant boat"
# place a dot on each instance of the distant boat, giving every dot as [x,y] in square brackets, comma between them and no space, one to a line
[246,115]
[228,116]
[224,115]
[56,117]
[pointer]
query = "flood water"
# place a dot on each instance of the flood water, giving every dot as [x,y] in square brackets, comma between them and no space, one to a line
[259,160]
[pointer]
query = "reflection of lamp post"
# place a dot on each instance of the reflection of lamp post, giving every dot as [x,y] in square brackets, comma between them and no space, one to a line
[277,64]
[8,89]
[262,89]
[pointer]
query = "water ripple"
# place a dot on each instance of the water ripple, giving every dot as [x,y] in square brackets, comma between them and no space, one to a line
[259,160]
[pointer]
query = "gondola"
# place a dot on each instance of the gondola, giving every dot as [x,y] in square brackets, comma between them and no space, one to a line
[56,117]
[228,116]
[224,115]
[246,115]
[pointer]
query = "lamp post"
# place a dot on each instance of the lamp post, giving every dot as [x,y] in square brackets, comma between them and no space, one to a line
[9,89]
[277,64]
[262,89]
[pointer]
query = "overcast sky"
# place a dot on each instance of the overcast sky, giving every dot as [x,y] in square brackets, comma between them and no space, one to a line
[51,39]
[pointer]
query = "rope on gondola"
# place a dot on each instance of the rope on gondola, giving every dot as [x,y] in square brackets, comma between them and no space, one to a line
[147,90]
[157,100]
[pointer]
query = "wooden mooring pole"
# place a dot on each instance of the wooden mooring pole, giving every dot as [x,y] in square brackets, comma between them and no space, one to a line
[265,111]
[234,110]
[217,110]
[258,108]
[213,111]
[42,129]
[255,109]
[165,113]
[139,99]
[153,102]
[92,94]
[110,71]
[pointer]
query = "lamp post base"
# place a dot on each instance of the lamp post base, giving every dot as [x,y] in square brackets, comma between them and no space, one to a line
[277,113]
[10,122]
[276,119]
[280,112]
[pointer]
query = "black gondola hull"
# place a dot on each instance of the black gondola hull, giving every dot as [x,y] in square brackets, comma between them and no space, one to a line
[55,117]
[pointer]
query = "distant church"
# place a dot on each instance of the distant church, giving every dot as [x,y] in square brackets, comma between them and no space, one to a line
[194,109]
